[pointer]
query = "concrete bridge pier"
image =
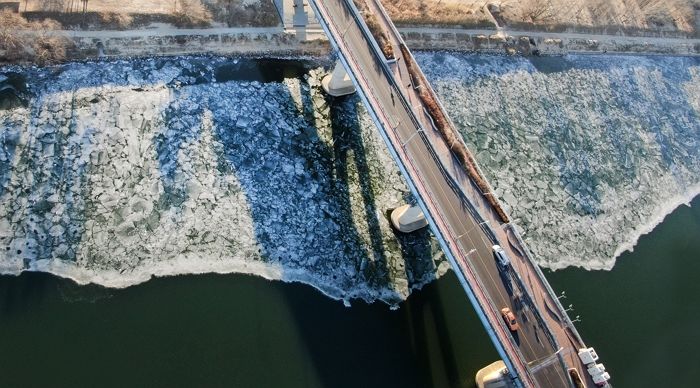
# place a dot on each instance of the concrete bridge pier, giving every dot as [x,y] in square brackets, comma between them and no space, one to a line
[299,20]
[408,218]
[338,83]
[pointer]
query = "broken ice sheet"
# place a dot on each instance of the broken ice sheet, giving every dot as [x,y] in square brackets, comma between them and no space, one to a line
[118,178]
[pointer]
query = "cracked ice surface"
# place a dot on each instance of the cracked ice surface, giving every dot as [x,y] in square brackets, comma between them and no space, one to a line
[587,152]
[118,171]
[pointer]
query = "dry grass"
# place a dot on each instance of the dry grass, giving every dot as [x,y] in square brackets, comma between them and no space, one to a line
[117,20]
[237,14]
[376,28]
[466,13]
[191,13]
[657,15]
[121,14]
[652,15]
[107,6]
[25,41]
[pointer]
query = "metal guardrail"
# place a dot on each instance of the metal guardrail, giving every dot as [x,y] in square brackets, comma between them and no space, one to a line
[489,231]
[488,306]
[528,254]
[432,91]
[543,280]
[472,209]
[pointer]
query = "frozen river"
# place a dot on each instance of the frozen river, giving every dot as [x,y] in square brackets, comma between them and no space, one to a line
[111,173]
[114,172]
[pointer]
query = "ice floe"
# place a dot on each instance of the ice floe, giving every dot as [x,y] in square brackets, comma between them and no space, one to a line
[135,175]
[588,152]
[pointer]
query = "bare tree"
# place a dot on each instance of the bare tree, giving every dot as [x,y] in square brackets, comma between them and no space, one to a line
[540,11]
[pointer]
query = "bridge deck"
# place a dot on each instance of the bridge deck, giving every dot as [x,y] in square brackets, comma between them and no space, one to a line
[460,216]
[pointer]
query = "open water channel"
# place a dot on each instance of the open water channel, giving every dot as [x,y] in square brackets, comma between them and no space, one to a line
[243,330]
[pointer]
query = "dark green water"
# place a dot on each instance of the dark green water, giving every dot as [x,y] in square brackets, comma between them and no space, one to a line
[234,330]
[643,316]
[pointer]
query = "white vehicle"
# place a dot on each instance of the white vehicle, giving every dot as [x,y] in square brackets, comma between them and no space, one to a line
[501,257]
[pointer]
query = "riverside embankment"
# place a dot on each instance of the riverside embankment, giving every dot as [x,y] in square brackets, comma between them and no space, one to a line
[162,39]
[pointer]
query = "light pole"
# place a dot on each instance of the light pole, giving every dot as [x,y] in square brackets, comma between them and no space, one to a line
[410,138]
[472,228]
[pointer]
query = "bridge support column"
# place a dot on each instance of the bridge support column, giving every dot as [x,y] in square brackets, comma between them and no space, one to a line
[338,83]
[408,218]
[494,375]
[299,19]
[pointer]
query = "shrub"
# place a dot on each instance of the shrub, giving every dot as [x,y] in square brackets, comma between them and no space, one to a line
[23,41]
[375,28]
[236,14]
[434,12]
[191,13]
[116,20]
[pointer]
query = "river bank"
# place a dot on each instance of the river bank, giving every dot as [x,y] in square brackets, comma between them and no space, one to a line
[164,40]
[275,41]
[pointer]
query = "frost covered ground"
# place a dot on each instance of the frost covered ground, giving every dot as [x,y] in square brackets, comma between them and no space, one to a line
[588,152]
[114,172]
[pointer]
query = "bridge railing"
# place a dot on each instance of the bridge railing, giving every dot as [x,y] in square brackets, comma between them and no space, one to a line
[461,265]
[430,89]
[489,232]
[548,287]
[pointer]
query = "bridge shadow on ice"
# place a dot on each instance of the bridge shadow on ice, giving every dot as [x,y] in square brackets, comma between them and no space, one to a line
[333,211]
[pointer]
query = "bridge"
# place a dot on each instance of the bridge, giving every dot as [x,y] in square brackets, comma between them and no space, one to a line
[458,203]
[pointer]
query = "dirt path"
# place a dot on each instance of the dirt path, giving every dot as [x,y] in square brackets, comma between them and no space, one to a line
[553,35]
[548,42]
[170,31]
